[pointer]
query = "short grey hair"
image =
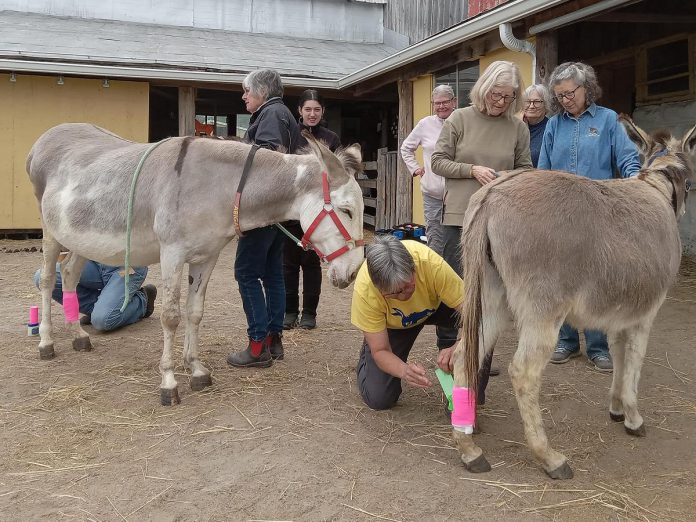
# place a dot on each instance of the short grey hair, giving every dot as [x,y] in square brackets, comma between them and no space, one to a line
[389,264]
[498,74]
[265,83]
[579,73]
[442,90]
[543,93]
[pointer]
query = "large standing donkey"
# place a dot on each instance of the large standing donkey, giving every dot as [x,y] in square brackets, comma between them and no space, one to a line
[550,246]
[182,213]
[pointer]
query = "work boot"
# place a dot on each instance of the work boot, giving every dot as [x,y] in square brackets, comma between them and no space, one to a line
[275,345]
[151,295]
[256,355]
[290,320]
[308,321]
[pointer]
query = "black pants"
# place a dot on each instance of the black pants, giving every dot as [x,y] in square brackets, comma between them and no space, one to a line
[295,258]
[380,390]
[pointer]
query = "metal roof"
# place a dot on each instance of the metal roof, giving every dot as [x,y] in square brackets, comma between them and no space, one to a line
[60,45]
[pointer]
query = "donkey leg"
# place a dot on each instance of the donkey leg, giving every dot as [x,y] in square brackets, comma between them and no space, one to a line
[199,275]
[172,267]
[636,345]
[537,341]
[617,346]
[70,271]
[51,250]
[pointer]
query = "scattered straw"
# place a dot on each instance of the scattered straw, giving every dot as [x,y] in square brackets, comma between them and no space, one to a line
[368,513]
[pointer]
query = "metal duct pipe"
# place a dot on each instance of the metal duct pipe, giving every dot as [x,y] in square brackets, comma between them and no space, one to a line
[514,44]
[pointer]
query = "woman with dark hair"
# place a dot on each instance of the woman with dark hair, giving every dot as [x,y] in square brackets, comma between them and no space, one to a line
[585,139]
[311,108]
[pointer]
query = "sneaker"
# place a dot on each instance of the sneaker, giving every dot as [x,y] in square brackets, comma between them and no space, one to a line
[562,354]
[275,345]
[308,321]
[290,320]
[256,355]
[603,364]
[151,295]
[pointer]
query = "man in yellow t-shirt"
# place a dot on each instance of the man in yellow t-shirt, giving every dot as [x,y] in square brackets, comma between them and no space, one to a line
[402,286]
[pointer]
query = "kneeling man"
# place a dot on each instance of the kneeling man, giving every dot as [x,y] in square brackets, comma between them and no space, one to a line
[402,286]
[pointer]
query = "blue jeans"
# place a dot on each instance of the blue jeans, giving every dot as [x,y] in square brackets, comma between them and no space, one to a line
[595,341]
[259,262]
[100,292]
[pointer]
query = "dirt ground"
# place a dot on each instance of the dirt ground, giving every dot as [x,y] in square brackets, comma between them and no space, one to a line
[83,436]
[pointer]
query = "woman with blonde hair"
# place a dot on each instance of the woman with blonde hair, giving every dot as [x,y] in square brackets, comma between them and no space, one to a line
[475,144]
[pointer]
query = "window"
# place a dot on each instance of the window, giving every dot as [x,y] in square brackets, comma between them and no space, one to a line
[461,79]
[665,69]
[207,125]
[242,124]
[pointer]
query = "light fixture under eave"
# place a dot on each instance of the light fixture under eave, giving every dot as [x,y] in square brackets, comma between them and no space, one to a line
[105,83]
[60,81]
[13,77]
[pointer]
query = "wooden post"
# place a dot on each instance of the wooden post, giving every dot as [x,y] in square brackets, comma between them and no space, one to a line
[187,111]
[404,180]
[380,207]
[546,56]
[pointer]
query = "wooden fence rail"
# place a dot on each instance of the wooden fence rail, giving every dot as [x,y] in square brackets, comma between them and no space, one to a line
[388,192]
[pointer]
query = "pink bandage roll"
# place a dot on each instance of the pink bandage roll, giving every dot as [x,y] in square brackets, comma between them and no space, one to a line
[464,402]
[71,307]
[33,315]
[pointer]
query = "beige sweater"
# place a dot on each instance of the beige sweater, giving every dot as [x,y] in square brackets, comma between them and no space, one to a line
[469,138]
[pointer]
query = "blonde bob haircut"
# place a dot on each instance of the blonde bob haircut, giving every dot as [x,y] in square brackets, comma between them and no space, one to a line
[498,74]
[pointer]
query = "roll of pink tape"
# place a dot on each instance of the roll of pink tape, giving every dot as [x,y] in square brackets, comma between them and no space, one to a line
[71,307]
[34,315]
[464,402]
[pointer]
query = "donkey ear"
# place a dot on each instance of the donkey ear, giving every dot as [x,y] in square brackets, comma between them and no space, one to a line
[689,141]
[334,167]
[351,158]
[636,135]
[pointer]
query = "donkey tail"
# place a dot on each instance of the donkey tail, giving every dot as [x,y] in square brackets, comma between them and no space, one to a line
[474,244]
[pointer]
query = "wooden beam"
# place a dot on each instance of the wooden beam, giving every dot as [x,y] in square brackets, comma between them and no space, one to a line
[546,56]
[404,185]
[187,111]
[644,18]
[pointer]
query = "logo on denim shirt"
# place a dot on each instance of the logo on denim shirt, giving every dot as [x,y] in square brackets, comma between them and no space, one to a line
[412,319]
[592,131]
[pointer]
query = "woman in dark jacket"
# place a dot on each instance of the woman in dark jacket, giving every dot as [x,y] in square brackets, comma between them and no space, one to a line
[311,109]
[259,252]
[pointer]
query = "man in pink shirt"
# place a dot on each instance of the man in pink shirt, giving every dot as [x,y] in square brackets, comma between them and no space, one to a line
[425,134]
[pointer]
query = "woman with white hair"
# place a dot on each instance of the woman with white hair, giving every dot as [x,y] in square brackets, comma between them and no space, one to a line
[537,103]
[425,134]
[258,265]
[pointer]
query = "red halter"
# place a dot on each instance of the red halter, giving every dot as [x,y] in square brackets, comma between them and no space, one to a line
[328,210]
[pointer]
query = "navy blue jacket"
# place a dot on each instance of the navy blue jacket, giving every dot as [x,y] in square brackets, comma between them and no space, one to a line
[273,127]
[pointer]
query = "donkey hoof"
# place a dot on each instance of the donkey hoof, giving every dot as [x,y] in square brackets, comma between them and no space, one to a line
[638,432]
[562,472]
[46,352]
[478,465]
[617,417]
[200,382]
[169,396]
[82,344]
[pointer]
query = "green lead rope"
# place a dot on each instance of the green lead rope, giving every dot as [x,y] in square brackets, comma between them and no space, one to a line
[290,235]
[129,220]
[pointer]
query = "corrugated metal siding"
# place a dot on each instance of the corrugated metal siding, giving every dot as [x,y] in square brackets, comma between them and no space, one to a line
[419,19]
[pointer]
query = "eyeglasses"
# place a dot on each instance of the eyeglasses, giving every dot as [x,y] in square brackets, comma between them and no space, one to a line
[533,103]
[442,103]
[496,96]
[405,289]
[567,95]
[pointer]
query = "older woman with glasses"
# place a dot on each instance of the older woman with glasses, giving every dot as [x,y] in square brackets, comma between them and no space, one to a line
[425,134]
[475,144]
[537,102]
[587,140]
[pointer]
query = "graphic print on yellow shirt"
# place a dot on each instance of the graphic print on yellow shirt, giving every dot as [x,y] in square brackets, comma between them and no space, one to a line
[436,283]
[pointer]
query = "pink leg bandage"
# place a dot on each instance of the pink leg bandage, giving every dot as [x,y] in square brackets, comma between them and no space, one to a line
[464,414]
[71,307]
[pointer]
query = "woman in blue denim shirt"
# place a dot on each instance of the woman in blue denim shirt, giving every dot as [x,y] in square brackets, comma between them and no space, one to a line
[584,139]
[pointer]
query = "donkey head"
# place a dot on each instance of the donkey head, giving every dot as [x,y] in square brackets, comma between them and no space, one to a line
[336,226]
[664,154]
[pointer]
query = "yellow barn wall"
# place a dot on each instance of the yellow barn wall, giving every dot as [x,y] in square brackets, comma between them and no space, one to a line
[523,61]
[422,88]
[33,104]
